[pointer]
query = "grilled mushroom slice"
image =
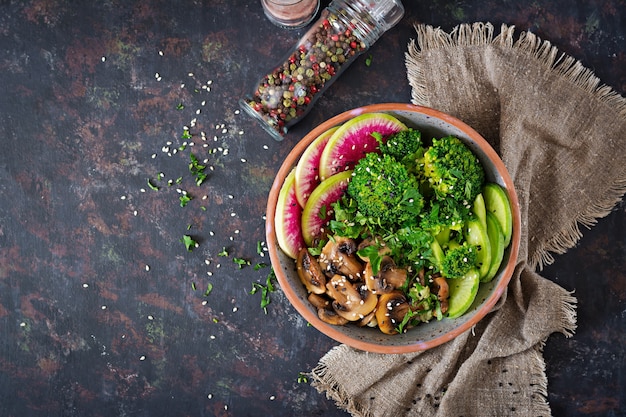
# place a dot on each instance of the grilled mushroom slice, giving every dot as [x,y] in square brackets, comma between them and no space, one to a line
[352,301]
[319,301]
[390,311]
[330,316]
[310,272]
[339,257]
[388,278]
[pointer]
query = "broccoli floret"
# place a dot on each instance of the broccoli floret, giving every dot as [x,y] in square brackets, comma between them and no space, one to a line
[384,191]
[453,170]
[458,260]
[404,146]
[445,218]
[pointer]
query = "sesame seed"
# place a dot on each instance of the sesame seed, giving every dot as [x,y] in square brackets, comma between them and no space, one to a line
[161,53]
[209,396]
[272,397]
[104,58]
[142,358]
[85,285]
[235,309]
[103,307]
[147,267]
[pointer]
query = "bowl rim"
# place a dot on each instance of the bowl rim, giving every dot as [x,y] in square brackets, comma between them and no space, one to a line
[333,331]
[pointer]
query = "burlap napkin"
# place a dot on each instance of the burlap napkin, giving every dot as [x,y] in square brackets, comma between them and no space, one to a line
[561,135]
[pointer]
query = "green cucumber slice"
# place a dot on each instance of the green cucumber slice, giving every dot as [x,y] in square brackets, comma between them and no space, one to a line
[462,293]
[476,234]
[497,202]
[496,238]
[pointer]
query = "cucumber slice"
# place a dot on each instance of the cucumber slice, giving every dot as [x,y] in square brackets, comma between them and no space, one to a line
[478,208]
[462,293]
[496,238]
[476,234]
[497,202]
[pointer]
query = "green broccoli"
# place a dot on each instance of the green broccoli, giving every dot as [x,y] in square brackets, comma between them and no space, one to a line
[458,260]
[384,191]
[453,170]
[404,146]
[444,218]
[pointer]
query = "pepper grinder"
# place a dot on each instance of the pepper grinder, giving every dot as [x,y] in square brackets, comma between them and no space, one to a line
[344,30]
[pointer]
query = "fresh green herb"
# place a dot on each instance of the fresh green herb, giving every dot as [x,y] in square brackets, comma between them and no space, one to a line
[241,262]
[323,212]
[189,242]
[302,378]
[179,180]
[152,186]
[259,248]
[197,169]
[184,199]
[186,134]
[260,265]
[368,60]
[223,252]
[180,106]
[265,290]
[160,176]
[193,285]
[208,290]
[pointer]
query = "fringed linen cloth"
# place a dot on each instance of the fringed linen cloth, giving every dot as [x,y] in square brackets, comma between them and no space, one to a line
[561,135]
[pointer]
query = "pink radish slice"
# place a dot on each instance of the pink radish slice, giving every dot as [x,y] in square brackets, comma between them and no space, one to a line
[307,170]
[354,139]
[288,218]
[317,211]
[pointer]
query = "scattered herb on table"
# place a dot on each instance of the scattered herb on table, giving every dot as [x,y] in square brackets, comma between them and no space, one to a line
[302,378]
[152,186]
[184,199]
[241,262]
[189,242]
[265,290]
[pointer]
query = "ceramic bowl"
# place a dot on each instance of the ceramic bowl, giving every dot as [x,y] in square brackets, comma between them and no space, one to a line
[426,335]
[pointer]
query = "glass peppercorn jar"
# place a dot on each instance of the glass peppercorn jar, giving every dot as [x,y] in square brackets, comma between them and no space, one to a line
[344,30]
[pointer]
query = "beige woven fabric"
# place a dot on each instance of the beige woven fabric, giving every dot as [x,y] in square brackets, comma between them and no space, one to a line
[561,135]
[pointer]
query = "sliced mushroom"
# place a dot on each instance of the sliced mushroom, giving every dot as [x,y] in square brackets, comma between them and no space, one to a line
[339,257]
[440,287]
[330,316]
[319,301]
[388,278]
[352,301]
[390,311]
[369,320]
[310,272]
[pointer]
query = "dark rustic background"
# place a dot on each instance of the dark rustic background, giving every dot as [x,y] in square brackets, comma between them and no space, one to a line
[103,310]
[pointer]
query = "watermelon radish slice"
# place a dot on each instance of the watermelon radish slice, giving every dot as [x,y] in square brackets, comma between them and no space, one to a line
[288,218]
[307,170]
[317,211]
[354,139]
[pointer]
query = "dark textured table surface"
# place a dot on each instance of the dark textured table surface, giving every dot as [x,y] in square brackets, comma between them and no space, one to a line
[103,310]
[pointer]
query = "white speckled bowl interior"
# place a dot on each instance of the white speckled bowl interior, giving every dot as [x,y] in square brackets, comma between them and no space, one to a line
[432,123]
